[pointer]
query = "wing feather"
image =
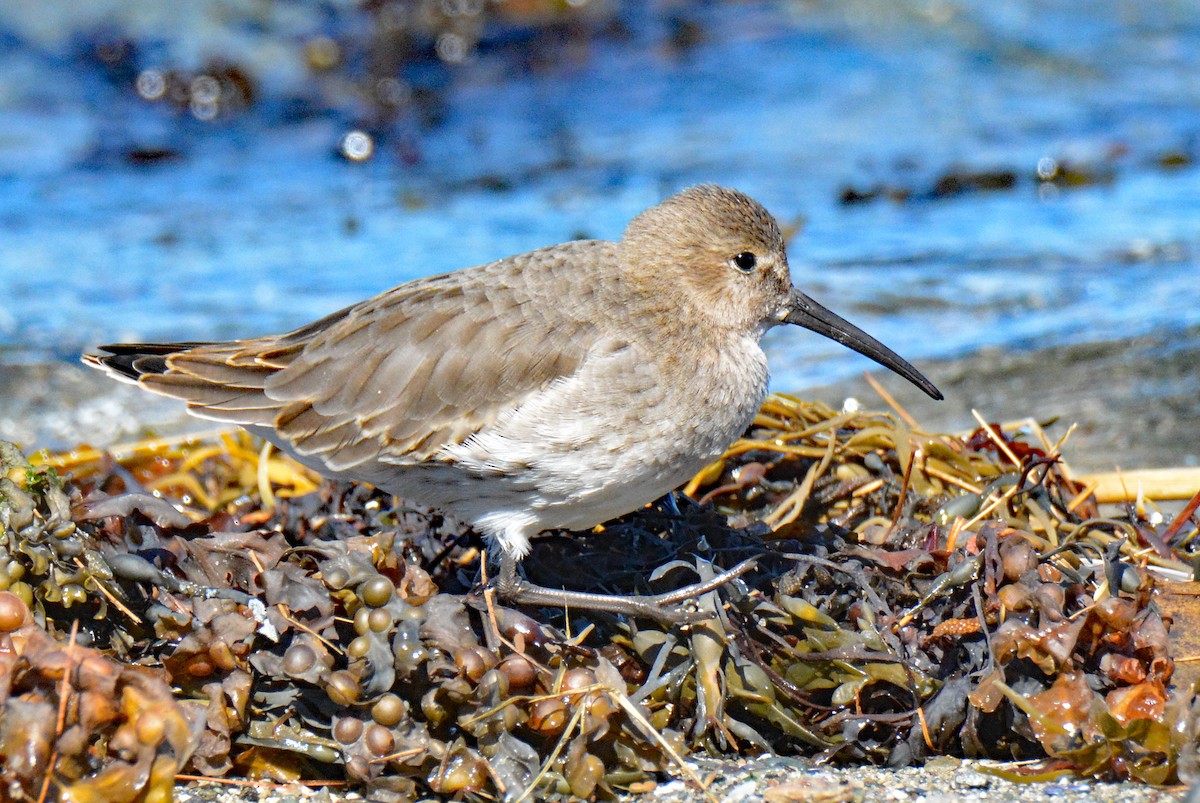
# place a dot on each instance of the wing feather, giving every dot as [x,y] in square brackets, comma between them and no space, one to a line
[395,378]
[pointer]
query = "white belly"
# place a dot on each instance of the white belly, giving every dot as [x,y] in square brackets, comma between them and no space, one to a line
[615,436]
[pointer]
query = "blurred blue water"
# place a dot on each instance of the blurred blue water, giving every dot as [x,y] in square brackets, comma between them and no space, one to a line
[260,227]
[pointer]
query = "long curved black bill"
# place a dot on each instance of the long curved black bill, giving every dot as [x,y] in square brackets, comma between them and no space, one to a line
[805,312]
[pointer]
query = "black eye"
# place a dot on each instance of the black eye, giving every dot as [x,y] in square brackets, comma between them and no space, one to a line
[745,262]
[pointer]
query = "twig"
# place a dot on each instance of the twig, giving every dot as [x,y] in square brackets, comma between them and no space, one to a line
[409,753]
[890,401]
[995,438]
[925,727]
[647,729]
[63,692]
[562,742]
[116,603]
[932,471]
[1184,515]
[264,784]
[286,614]
[1079,498]
[903,492]
[264,476]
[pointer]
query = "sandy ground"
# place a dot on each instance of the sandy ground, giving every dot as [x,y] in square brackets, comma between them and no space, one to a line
[776,779]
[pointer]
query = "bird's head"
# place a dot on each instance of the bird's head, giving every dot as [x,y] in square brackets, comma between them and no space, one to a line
[721,257]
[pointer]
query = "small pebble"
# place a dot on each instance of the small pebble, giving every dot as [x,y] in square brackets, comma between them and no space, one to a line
[974,780]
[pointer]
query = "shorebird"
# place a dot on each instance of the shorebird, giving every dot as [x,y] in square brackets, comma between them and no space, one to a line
[555,389]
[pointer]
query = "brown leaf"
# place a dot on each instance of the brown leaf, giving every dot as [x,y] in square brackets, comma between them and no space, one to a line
[1146,700]
[1064,712]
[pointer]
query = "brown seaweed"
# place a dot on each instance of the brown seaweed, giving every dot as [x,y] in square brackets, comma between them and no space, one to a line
[209,609]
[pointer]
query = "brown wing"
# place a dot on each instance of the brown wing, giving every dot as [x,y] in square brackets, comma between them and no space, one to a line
[403,374]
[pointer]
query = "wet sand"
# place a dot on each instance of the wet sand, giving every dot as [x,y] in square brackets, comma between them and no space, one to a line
[1136,402]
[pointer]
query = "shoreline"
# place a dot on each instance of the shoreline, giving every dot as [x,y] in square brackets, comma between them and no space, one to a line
[1132,400]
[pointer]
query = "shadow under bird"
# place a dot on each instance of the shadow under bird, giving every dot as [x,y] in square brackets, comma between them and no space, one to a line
[555,389]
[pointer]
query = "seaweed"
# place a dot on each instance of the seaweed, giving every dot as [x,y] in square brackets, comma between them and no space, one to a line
[208,609]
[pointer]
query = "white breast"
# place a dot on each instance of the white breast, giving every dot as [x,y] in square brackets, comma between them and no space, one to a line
[620,433]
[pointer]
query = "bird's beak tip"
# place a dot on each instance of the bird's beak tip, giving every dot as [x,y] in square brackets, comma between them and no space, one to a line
[803,311]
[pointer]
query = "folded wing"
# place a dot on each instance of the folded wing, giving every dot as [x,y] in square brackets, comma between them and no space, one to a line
[399,376]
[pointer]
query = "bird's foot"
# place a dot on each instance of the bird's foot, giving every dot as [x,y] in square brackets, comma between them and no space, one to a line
[682,606]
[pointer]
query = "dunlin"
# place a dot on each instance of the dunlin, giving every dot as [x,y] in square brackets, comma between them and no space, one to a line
[555,389]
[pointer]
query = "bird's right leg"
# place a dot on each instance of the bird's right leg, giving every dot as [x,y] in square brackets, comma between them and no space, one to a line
[671,608]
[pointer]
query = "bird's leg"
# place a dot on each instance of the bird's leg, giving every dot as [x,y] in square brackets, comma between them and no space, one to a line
[669,608]
[508,583]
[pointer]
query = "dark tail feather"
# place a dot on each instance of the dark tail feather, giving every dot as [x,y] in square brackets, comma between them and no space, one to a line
[134,360]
